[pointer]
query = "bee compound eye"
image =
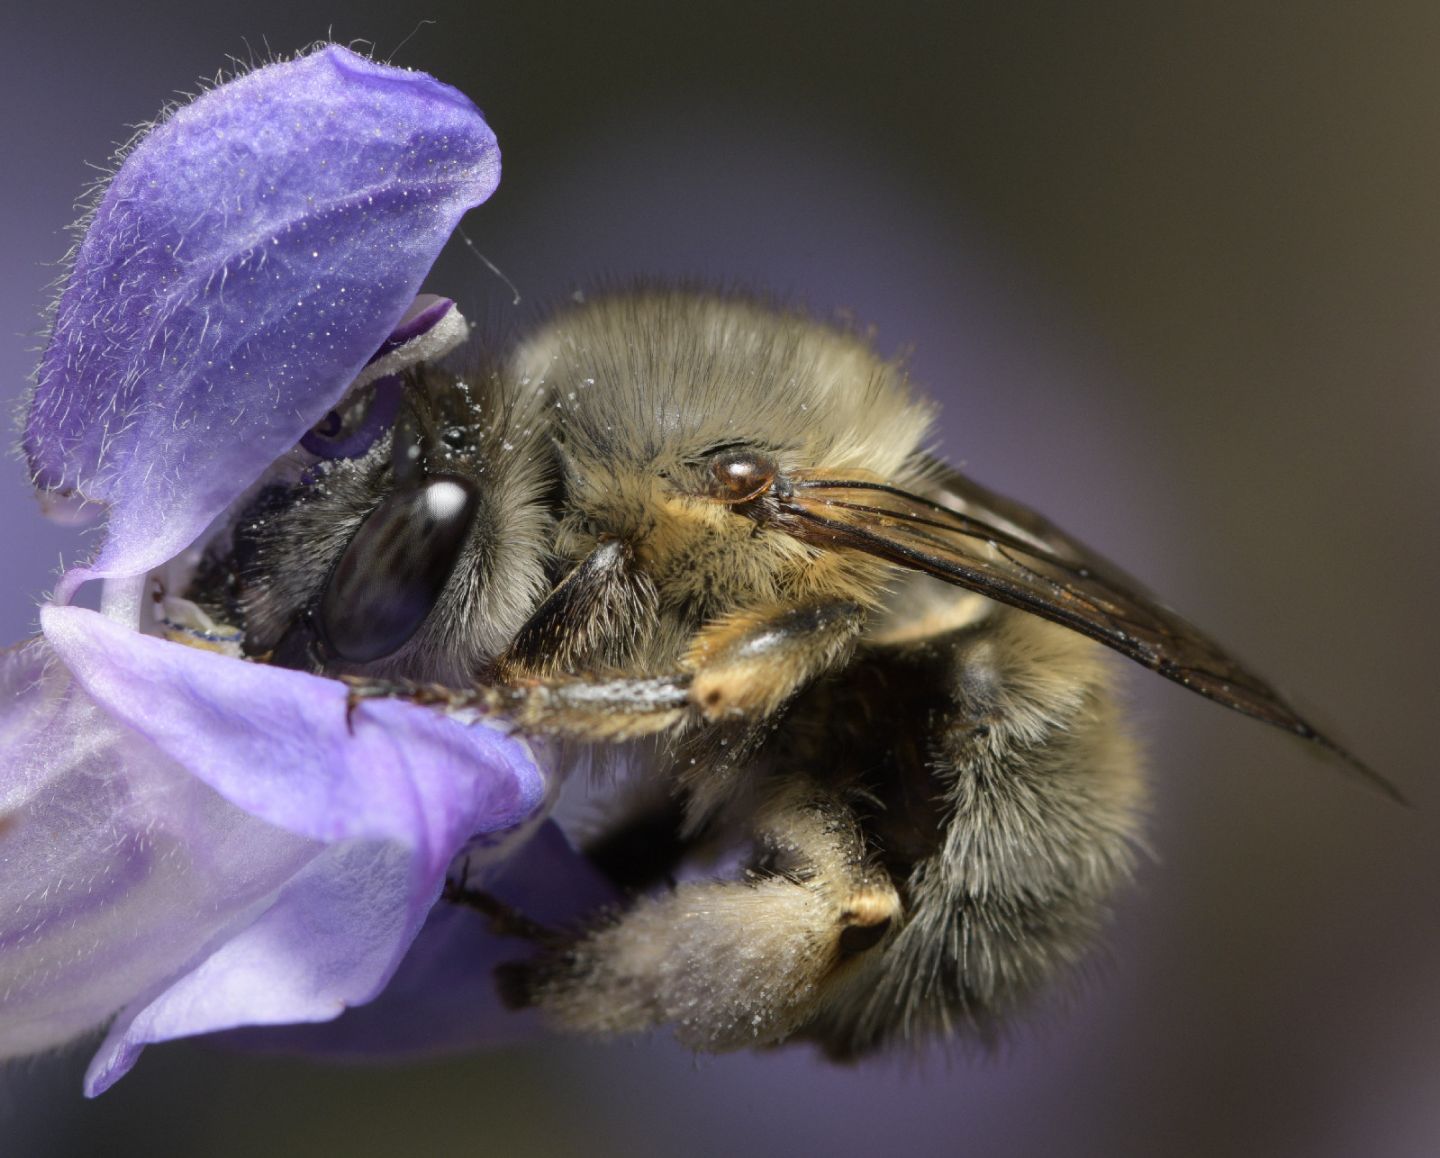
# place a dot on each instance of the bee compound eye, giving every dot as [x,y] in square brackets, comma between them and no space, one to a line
[391,575]
[737,476]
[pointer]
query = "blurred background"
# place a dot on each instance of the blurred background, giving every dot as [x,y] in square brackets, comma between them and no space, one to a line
[1174,272]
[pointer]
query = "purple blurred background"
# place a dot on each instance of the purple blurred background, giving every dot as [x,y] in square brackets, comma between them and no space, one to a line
[1175,276]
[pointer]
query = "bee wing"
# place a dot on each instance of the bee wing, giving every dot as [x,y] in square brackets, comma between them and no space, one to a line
[1005,551]
[967,497]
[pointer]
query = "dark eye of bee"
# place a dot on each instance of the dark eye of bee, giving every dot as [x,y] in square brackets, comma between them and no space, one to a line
[737,476]
[392,573]
[357,423]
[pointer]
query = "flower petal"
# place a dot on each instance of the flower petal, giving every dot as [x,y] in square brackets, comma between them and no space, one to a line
[333,937]
[248,257]
[117,867]
[393,801]
[443,996]
[282,745]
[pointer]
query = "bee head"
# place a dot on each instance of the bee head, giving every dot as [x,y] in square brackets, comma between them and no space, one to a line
[679,418]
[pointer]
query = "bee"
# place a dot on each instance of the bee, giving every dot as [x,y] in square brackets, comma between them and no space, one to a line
[715,541]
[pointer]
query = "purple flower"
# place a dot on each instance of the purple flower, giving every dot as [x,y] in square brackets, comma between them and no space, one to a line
[242,266]
[190,842]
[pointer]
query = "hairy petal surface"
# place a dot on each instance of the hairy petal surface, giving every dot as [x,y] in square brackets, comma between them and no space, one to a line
[248,257]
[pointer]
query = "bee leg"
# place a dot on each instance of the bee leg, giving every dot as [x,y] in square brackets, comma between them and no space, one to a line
[745,665]
[750,663]
[741,666]
[1011,824]
[645,848]
[730,963]
[504,920]
[578,708]
[590,709]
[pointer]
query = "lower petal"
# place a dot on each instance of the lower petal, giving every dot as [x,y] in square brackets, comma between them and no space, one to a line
[443,997]
[331,939]
[117,867]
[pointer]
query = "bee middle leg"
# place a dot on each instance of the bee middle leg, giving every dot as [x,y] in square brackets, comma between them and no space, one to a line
[646,847]
[730,963]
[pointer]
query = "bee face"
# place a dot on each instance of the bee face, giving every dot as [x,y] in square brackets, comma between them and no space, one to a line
[675,416]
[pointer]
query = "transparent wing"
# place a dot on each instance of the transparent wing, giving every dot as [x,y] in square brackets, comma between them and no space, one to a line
[986,543]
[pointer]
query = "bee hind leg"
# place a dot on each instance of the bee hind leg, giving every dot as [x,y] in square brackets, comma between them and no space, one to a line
[729,963]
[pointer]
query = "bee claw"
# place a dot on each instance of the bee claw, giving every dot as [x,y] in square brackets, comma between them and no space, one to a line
[353,697]
[358,689]
[504,920]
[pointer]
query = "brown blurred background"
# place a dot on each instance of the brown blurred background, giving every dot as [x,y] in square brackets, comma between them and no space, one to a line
[1175,273]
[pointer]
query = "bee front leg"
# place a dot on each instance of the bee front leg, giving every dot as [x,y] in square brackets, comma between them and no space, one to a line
[730,963]
[749,663]
[742,666]
[575,708]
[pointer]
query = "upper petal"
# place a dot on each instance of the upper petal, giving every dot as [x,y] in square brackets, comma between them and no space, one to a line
[248,257]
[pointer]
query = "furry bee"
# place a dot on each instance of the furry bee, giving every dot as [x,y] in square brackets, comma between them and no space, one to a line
[708,531]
